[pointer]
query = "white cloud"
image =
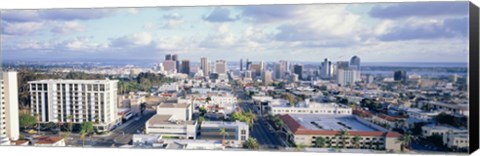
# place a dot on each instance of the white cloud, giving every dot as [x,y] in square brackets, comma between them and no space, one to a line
[68,27]
[26,28]
[132,40]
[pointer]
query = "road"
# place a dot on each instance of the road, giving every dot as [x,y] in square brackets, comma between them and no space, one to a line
[122,135]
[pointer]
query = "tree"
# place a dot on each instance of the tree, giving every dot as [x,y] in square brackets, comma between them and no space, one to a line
[224,133]
[320,142]
[27,121]
[251,143]
[343,134]
[202,111]
[86,128]
[201,119]
[405,139]
[50,126]
[208,99]
[356,141]
[291,99]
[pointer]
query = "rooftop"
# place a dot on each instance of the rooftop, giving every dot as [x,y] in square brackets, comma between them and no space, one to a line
[72,81]
[166,119]
[47,140]
[308,124]
[173,105]
[223,123]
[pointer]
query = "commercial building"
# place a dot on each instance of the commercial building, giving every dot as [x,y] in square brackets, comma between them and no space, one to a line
[400,75]
[205,66]
[185,66]
[355,62]
[305,129]
[347,77]
[170,66]
[82,100]
[311,108]
[267,77]
[298,69]
[221,67]
[158,141]
[237,132]
[45,141]
[9,123]
[452,137]
[327,69]
[173,120]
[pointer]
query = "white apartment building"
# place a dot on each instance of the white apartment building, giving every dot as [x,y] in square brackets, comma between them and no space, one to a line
[348,76]
[75,101]
[173,121]
[311,108]
[9,123]
[238,132]
[171,87]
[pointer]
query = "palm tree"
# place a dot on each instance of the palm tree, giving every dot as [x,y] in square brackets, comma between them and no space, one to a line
[224,133]
[320,142]
[200,119]
[251,117]
[405,139]
[251,143]
[86,128]
[356,141]
[343,134]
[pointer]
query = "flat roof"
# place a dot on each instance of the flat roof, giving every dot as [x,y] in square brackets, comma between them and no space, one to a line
[173,105]
[331,122]
[165,119]
[223,124]
[312,124]
[71,81]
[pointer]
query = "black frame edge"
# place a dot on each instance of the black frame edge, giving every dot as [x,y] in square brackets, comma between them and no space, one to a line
[474,78]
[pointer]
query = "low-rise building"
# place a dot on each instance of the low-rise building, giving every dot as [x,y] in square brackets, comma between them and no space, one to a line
[237,132]
[173,120]
[311,108]
[49,141]
[304,129]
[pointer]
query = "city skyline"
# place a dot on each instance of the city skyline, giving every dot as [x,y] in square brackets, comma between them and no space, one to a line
[376,32]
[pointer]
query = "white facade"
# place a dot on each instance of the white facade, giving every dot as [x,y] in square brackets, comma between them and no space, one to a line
[348,76]
[173,121]
[238,132]
[168,87]
[178,111]
[205,66]
[9,123]
[311,108]
[82,100]
[221,67]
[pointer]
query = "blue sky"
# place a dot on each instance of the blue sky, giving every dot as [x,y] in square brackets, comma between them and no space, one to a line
[377,32]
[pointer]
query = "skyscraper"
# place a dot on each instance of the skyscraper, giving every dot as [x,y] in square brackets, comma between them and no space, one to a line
[186,66]
[355,62]
[221,67]
[249,63]
[168,57]
[348,76]
[342,65]
[266,77]
[241,64]
[9,123]
[298,69]
[326,70]
[170,66]
[205,66]
[400,75]
[278,70]
[256,69]
[177,62]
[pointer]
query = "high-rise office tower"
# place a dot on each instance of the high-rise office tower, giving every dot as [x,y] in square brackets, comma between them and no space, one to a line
[285,65]
[249,63]
[75,101]
[168,57]
[241,64]
[256,69]
[279,70]
[177,62]
[9,123]
[170,66]
[400,75]
[298,69]
[221,67]
[327,69]
[355,62]
[342,65]
[266,77]
[205,66]
[186,66]
[348,76]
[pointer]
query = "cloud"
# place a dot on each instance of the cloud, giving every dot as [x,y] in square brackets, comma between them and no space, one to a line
[132,40]
[25,28]
[68,27]
[173,20]
[448,28]
[55,14]
[220,15]
[403,10]
[270,13]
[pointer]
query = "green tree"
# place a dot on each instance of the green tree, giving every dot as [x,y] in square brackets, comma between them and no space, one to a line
[224,133]
[251,143]
[27,121]
[406,140]
[356,141]
[202,111]
[86,128]
[201,119]
[50,126]
[343,134]
[320,142]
